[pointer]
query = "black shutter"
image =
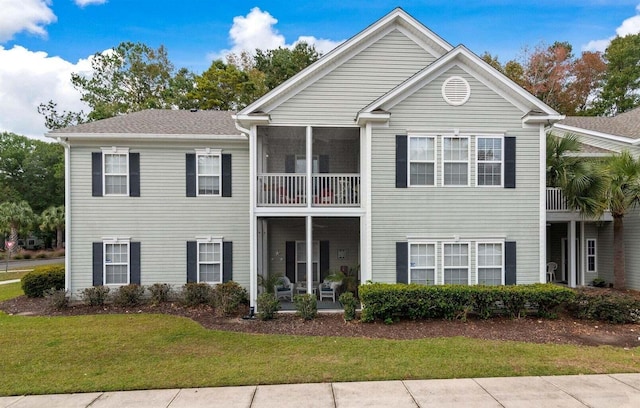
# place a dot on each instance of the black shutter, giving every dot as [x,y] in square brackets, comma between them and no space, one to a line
[134,174]
[323,164]
[401,161]
[191,174]
[509,162]
[510,263]
[97,264]
[226,175]
[96,174]
[192,261]
[134,268]
[290,265]
[402,262]
[227,261]
[290,163]
[324,260]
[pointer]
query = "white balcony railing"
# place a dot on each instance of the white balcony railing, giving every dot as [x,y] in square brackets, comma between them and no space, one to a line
[286,189]
[556,200]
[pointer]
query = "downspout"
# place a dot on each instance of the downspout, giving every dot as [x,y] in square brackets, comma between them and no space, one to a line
[67,213]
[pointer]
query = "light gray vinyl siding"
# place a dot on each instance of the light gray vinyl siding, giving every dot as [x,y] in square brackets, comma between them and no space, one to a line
[336,98]
[605,252]
[632,248]
[469,212]
[163,219]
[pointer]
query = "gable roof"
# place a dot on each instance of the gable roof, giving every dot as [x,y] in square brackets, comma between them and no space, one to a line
[157,123]
[625,125]
[534,109]
[397,18]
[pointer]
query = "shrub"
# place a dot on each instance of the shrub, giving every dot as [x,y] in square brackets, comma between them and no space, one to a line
[18,256]
[306,306]
[599,283]
[42,278]
[26,255]
[129,295]
[160,292]
[57,298]
[229,296]
[268,306]
[349,303]
[606,306]
[95,295]
[41,255]
[194,294]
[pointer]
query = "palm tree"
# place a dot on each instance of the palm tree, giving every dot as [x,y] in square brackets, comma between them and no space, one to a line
[15,217]
[52,219]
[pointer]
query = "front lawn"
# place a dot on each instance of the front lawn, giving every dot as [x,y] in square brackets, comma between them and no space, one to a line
[145,351]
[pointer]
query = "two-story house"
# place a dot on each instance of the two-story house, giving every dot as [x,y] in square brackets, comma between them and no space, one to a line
[396,151]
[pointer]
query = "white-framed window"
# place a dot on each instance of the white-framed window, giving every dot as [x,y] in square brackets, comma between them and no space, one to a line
[115,171]
[210,261]
[301,164]
[490,263]
[592,261]
[455,161]
[117,264]
[301,261]
[455,263]
[489,157]
[422,263]
[422,160]
[208,172]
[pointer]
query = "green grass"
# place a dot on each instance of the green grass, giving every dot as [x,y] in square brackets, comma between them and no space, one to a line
[10,290]
[11,275]
[126,352]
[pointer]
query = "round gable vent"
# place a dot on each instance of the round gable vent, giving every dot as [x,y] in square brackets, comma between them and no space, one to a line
[456,90]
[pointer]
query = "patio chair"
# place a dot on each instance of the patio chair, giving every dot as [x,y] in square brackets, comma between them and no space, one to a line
[327,289]
[551,271]
[283,288]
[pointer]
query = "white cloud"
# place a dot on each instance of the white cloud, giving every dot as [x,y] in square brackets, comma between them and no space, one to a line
[28,78]
[257,30]
[630,25]
[24,15]
[83,3]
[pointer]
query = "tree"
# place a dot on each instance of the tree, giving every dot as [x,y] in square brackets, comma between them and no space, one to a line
[222,86]
[52,219]
[587,74]
[55,120]
[620,91]
[15,218]
[280,64]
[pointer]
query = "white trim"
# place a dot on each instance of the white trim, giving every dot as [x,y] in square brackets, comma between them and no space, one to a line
[366,233]
[253,221]
[141,136]
[453,238]
[594,133]
[456,242]
[115,151]
[445,161]
[477,162]
[435,260]
[198,263]
[434,161]
[542,208]
[595,255]
[115,241]
[207,152]
[478,243]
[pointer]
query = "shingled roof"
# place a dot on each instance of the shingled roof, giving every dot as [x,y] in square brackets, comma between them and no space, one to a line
[625,124]
[160,122]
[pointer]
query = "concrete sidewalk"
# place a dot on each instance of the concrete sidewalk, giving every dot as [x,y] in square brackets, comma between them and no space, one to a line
[615,390]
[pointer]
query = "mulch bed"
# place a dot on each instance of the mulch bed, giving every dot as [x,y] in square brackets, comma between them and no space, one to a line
[564,330]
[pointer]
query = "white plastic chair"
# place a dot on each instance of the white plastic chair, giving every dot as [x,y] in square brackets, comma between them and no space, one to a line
[327,289]
[551,271]
[283,288]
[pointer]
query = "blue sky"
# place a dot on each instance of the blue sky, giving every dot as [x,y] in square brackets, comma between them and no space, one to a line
[43,41]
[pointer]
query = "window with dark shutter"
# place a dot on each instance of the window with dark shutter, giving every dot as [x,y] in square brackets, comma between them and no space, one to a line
[401,161]
[509,162]
[402,262]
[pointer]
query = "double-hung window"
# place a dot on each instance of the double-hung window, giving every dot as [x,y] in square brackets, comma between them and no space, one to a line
[455,157]
[116,171]
[456,263]
[422,263]
[208,172]
[489,160]
[116,262]
[591,255]
[210,261]
[490,262]
[422,167]
[301,261]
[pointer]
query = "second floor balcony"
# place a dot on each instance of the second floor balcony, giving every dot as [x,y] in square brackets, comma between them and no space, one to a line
[282,189]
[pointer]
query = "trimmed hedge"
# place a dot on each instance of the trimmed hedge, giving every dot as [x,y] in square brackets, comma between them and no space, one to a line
[606,306]
[391,302]
[43,278]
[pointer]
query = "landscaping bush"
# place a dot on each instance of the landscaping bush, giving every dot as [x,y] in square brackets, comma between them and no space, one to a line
[42,278]
[129,295]
[228,297]
[41,255]
[268,306]
[606,306]
[390,302]
[306,306]
[57,298]
[160,292]
[349,303]
[194,294]
[95,295]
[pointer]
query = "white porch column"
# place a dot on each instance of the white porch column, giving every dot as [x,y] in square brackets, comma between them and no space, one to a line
[582,255]
[365,201]
[253,243]
[309,230]
[309,169]
[572,254]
